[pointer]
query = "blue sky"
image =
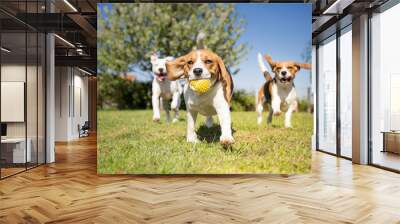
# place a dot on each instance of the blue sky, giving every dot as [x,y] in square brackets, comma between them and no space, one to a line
[281,30]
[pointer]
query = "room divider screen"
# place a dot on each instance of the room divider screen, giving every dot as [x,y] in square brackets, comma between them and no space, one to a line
[22,77]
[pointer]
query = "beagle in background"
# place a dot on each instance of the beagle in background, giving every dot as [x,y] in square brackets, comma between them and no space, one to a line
[278,92]
[164,90]
[203,64]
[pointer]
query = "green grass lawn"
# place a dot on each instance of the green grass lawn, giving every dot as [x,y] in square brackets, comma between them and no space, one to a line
[130,143]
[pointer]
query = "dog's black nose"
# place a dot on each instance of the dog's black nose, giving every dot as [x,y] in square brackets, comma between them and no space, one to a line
[161,70]
[283,73]
[197,71]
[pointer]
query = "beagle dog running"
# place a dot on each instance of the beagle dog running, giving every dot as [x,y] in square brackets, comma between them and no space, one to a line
[205,65]
[164,89]
[278,92]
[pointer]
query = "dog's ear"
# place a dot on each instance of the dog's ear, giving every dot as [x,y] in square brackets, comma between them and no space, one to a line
[153,58]
[226,79]
[270,62]
[303,66]
[169,58]
[176,68]
[267,76]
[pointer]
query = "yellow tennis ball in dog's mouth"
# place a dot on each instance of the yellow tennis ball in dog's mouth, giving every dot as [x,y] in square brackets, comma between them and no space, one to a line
[200,85]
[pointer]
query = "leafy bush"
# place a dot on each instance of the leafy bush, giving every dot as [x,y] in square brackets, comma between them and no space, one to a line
[115,92]
[305,106]
[242,101]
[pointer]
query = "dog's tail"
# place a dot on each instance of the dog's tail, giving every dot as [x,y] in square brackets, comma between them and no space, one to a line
[263,68]
[261,64]
[200,41]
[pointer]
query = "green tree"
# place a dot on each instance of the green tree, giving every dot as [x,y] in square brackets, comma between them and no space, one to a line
[130,32]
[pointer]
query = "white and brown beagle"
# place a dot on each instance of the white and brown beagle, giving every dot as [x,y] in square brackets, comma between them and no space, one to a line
[204,64]
[278,92]
[164,90]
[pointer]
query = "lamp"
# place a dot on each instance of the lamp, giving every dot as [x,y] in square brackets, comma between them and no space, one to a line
[5,50]
[70,5]
[64,40]
[84,71]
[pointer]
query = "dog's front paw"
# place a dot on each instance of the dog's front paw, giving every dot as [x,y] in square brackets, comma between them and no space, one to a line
[174,120]
[156,119]
[226,140]
[288,126]
[277,113]
[174,105]
[259,120]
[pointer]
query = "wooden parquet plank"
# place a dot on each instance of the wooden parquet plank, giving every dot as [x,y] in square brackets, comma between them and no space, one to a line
[70,191]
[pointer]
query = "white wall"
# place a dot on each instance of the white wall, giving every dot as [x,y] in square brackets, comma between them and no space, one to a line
[13,72]
[80,94]
[62,82]
[13,101]
[71,94]
[33,126]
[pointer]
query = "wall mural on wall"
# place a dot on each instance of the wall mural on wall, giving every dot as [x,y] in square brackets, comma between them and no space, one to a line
[204,88]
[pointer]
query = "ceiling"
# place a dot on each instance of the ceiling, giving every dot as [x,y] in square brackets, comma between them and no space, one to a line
[330,15]
[73,21]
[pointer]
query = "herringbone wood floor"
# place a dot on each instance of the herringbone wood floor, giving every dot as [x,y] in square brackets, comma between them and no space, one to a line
[70,191]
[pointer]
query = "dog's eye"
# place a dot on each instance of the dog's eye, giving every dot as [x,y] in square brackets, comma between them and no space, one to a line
[208,62]
[190,62]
